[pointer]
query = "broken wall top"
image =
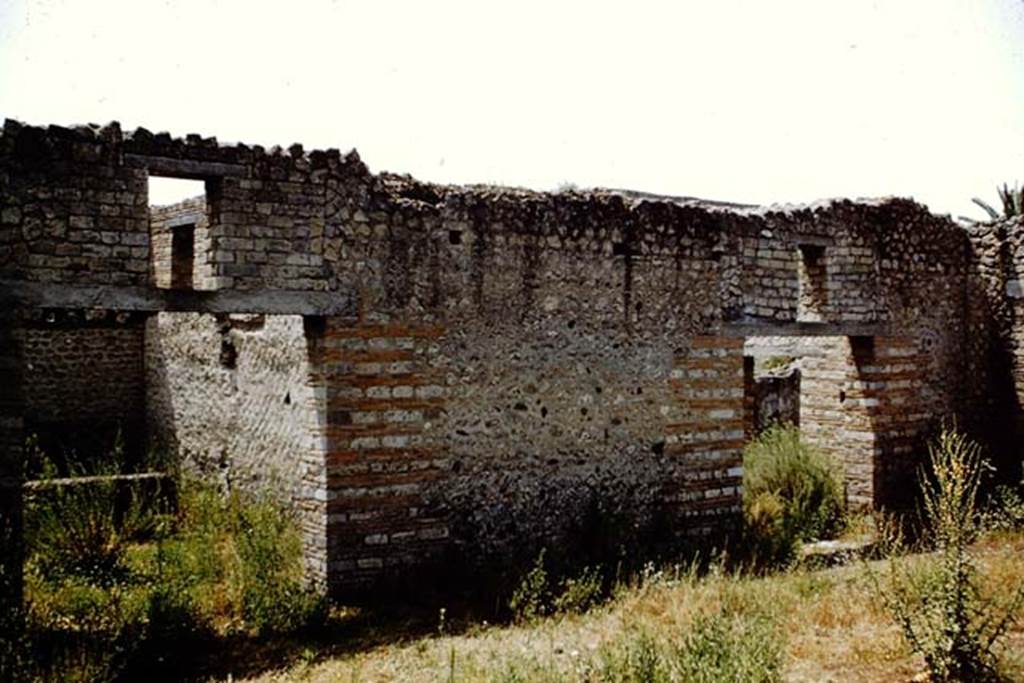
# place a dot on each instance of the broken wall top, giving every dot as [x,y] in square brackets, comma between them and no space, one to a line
[75,211]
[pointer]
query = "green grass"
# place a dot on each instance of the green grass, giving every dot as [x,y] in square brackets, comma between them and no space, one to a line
[801,625]
[215,591]
[161,582]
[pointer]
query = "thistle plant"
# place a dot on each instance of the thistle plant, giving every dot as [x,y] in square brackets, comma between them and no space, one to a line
[939,608]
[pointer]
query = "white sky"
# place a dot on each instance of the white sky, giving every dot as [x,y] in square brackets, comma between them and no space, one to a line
[753,101]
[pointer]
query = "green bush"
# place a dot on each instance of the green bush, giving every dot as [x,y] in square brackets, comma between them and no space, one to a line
[84,529]
[539,594]
[80,631]
[725,646]
[939,606]
[532,597]
[274,599]
[222,565]
[637,658]
[580,593]
[1005,509]
[791,493]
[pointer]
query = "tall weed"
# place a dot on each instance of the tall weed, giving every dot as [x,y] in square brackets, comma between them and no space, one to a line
[539,594]
[274,598]
[939,607]
[1005,510]
[726,646]
[85,529]
[532,597]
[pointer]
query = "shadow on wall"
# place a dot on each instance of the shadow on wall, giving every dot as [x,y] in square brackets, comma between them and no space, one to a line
[995,385]
[161,427]
[615,521]
[11,502]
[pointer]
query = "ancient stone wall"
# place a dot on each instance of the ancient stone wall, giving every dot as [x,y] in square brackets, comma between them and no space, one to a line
[12,440]
[75,208]
[775,399]
[70,211]
[563,316]
[862,400]
[239,399]
[995,349]
[556,330]
[83,381]
[516,364]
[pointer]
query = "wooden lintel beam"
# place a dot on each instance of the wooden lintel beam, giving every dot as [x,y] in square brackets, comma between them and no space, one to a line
[152,299]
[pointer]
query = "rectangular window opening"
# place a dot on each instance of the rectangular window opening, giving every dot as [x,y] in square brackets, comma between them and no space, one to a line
[813,275]
[179,220]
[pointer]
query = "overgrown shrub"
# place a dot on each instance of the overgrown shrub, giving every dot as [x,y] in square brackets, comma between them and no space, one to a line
[791,493]
[269,548]
[81,631]
[580,593]
[939,606]
[726,646]
[539,594]
[111,580]
[1005,510]
[532,597]
[636,658]
[84,529]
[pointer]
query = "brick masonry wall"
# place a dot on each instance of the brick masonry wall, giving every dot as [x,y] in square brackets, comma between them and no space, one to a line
[83,374]
[241,400]
[68,211]
[74,207]
[385,448]
[545,299]
[419,464]
[862,401]
[83,388]
[708,380]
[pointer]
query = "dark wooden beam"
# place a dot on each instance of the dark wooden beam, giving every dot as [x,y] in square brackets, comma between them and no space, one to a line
[152,299]
[184,168]
[764,327]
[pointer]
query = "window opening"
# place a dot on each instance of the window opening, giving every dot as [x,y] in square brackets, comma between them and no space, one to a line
[812,295]
[179,227]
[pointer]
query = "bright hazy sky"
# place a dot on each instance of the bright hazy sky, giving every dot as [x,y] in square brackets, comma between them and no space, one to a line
[753,101]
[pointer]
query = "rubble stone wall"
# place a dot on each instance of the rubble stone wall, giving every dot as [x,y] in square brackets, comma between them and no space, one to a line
[519,362]
[12,438]
[775,399]
[995,350]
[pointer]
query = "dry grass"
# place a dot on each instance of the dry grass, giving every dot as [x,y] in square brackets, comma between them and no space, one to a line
[834,629]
